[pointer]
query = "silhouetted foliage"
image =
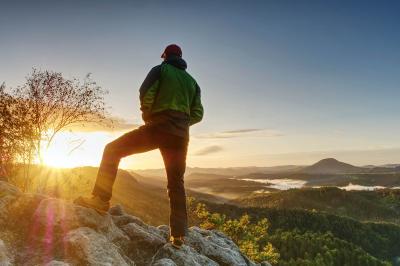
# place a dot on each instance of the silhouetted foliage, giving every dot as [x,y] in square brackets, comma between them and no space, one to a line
[251,237]
[32,114]
[379,240]
[56,103]
[379,205]
[17,134]
[310,248]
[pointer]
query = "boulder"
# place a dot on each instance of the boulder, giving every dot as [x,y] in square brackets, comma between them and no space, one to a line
[185,256]
[143,237]
[164,262]
[216,246]
[66,216]
[84,246]
[120,218]
[164,231]
[144,243]
[63,216]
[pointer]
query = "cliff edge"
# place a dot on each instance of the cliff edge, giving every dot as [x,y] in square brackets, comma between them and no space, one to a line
[39,230]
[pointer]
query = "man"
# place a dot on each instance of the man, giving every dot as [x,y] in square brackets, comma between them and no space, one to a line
[170,103]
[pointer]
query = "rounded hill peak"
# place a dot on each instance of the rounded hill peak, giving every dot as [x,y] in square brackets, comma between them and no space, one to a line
[331,166]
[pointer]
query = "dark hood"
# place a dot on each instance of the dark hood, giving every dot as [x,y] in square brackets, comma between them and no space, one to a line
[176,62]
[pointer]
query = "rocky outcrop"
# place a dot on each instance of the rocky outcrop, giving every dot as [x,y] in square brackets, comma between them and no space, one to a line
[38,230]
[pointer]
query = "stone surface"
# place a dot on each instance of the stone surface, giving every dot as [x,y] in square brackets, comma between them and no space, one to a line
[186,256]
[142,236]
[87,247]
[69,216]
[121,220]
[164,262]
[164,231]
[144,243]
[215,246]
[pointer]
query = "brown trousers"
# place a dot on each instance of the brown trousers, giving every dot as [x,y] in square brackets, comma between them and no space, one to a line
[173,150]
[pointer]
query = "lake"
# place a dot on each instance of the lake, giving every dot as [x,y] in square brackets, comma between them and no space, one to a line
[286,183]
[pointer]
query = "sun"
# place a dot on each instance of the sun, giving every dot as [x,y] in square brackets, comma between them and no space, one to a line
[74,149]
[57,159]
[66,152]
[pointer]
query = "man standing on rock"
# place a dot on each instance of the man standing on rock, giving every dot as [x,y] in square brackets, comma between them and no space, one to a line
[170,103]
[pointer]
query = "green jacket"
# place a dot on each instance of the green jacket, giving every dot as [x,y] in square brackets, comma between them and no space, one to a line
[170,97]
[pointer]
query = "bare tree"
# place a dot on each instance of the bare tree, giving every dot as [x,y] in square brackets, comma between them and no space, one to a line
[56,103]
[17,134]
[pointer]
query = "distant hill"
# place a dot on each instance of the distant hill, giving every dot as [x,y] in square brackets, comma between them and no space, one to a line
[381,169]
[391,165]
[229,171]
[332,166]
[325,166]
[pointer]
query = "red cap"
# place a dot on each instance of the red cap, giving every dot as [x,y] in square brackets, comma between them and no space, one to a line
[172,49]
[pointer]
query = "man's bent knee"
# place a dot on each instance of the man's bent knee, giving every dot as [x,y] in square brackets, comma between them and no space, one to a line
[109,148]
[111,151]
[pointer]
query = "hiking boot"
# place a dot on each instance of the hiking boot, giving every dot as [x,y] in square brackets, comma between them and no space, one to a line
[94,202]
[177,242]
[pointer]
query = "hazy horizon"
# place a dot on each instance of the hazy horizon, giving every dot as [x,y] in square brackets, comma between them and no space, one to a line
[283,82]
[387,164]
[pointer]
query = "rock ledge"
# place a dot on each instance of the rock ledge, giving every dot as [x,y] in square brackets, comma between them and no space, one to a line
[38,230]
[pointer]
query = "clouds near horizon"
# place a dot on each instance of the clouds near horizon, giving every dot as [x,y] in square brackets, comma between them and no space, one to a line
[245,132]
[208,150]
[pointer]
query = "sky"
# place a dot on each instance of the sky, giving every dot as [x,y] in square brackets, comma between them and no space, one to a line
[283,82]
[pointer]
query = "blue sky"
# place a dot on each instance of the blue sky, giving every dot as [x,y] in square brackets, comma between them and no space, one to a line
[313,77]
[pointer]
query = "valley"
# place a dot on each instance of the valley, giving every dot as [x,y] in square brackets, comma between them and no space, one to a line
[352,215]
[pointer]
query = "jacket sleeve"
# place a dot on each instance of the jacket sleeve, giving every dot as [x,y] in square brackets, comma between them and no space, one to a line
[149,90]
[196,109]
